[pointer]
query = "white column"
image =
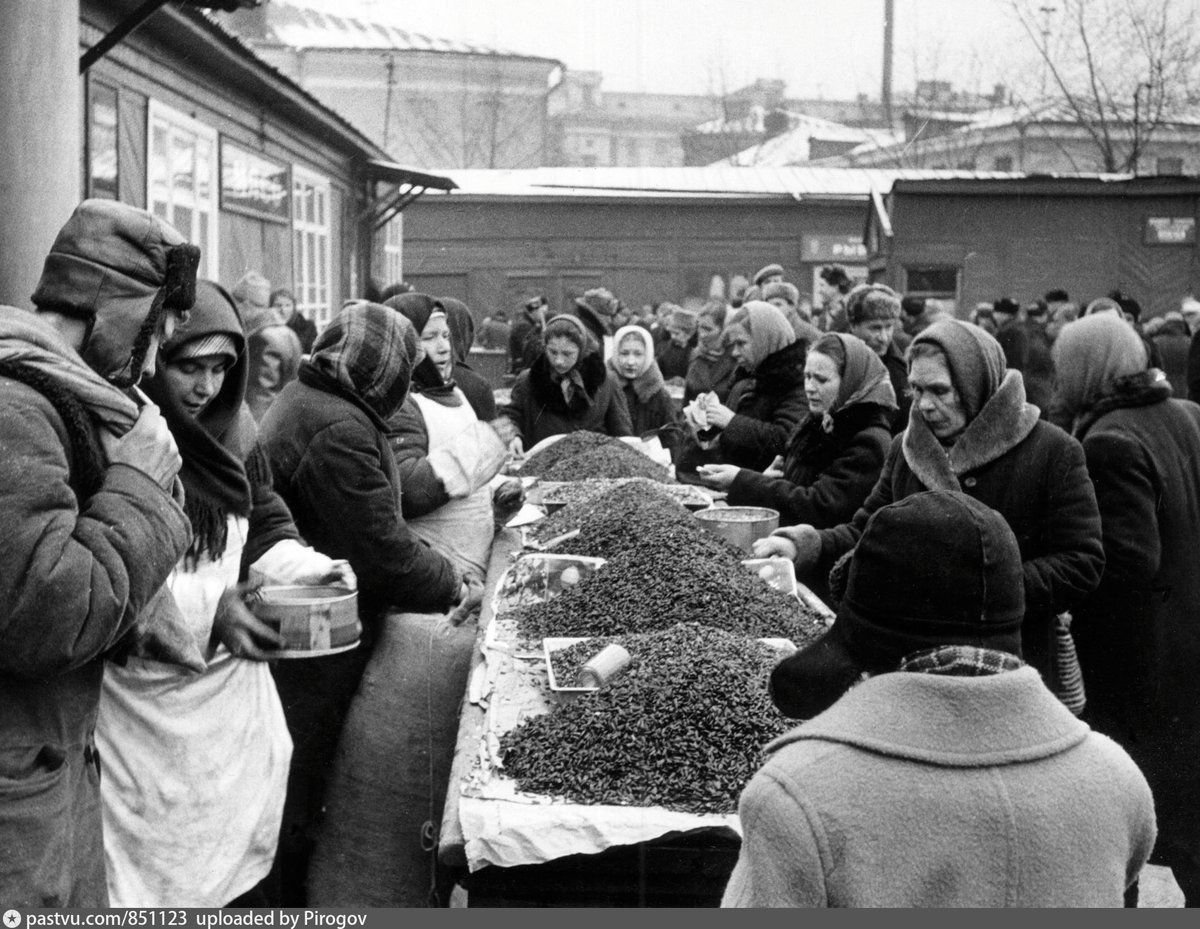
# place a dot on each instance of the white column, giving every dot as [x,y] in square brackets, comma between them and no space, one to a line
[40,91]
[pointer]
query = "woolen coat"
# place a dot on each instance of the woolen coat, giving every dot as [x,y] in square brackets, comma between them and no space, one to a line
[926,790]
[1039,485]
[826,476]
[1137,636]
[538,409]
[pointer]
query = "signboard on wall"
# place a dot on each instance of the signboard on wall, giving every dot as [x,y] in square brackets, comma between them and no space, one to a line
[834,248]
[1170,230]
[254,185]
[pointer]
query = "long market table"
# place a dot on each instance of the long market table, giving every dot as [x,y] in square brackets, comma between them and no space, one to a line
[521,849]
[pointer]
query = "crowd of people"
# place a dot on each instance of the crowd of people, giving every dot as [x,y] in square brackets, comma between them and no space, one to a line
[1001,510]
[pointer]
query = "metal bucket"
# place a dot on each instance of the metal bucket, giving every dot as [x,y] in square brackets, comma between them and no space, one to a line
[740,525]
[312,620]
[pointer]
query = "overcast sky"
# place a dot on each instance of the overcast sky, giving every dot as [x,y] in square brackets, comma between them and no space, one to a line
[831,48]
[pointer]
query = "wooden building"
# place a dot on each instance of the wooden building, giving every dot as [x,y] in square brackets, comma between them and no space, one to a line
[647,234]
[968,241]
[183,119]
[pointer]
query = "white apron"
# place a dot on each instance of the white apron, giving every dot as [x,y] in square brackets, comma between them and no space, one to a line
[460,529]
[194,765]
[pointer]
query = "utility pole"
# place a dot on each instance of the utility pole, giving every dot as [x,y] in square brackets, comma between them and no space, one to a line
[889,13]
[1046,12]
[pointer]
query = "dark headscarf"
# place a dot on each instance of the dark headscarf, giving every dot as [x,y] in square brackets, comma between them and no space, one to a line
[427,380]
[462,328]
[367,351]
[214,445]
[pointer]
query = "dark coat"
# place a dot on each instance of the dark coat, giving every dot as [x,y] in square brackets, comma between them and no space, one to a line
[1027,348]
[73,578]
[706,375]
[1172,343]
[826,476]
[333,467]
[539,410]
[477,390]
[1040,486]
[524,342]
[1137,636]
[305,329]
[673,360]
[650,413]
[768,406]
[897,369]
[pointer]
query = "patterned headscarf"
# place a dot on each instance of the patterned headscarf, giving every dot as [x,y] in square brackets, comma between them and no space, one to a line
[368,350]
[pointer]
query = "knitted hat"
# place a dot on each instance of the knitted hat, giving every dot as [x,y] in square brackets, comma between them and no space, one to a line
[117,268]
[868,302]
[764,273]
[933,569]
[975,359]
[789,292]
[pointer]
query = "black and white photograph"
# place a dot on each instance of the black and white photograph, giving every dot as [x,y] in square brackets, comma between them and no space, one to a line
[550,453]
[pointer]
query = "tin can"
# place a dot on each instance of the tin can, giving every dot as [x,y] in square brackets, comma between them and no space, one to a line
[603,666]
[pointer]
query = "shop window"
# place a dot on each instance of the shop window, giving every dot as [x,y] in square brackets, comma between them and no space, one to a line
[1003,163]
[182,179]
[393,237]
[311,235]
[1172,166]
[102,165]
[937,281]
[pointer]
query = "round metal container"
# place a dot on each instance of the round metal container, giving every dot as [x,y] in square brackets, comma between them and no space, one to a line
[740,525]
[312,620]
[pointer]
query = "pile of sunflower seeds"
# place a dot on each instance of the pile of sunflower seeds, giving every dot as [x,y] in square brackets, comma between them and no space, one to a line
[571,444]
[682,726]
[604,517]
[616,459]
[659,575]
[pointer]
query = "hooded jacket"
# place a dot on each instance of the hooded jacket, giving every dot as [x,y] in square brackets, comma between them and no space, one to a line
[76,570]
[1028,470]
[329,455]
[925,790]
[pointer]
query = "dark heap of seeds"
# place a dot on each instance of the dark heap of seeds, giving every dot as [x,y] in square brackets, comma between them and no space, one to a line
[617,459]
[571,444]
[660,574]
[605,519]
[682,727]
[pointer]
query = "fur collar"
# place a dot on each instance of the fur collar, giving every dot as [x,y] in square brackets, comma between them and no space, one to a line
[548,392]
[1003,423]
[1134,390]
[646,385]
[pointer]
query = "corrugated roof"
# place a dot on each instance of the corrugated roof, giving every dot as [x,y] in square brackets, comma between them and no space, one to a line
[713,182]
[297,26]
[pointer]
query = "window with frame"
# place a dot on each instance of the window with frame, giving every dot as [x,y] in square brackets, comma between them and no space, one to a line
[311,234]
[182,179]
[102,161]
[939,282]
[1171,166]
[393,238]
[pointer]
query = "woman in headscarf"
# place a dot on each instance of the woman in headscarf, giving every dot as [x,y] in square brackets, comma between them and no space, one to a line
[835,457]
[1136,634]
[474,385]
[399,735]
[767,400]
[641,381]
[326,437]
[711,367]
[196,761]
[568,388]
[971,430]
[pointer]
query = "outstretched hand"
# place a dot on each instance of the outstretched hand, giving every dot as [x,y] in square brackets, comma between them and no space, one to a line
[240,631]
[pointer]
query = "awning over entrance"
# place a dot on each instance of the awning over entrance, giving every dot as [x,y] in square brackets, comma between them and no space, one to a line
[407,184]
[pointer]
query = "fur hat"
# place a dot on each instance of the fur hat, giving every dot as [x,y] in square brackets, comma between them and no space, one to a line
[789,292]
[117,267]
[936,568]
[764,273]
[868,302]
[1006,305]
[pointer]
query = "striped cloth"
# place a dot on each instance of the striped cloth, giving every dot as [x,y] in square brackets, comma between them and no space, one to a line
[1070,675]
[961,661]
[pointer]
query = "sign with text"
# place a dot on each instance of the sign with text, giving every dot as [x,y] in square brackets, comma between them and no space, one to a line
[254,185]
[839,248]
[1170,230]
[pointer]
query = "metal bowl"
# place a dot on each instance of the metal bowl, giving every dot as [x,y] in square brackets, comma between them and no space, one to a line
[739,525]
[312,620]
